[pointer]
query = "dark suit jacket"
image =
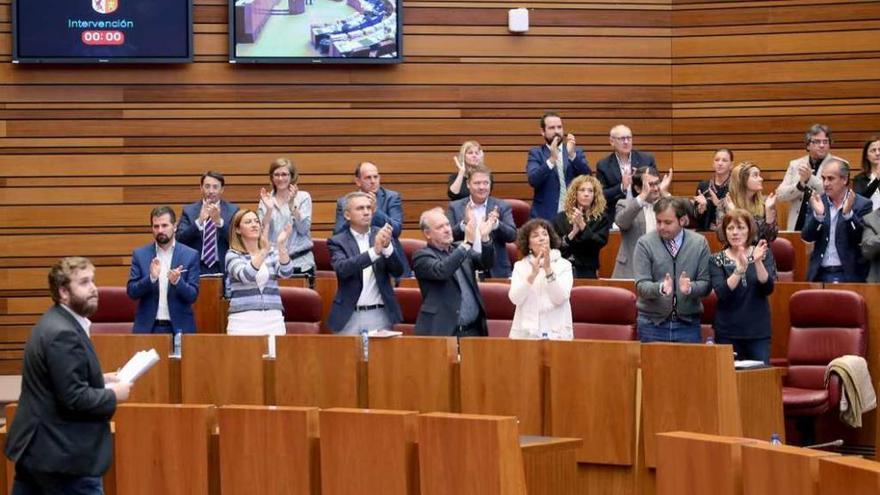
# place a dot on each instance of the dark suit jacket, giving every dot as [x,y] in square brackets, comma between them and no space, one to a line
[180,296]
[188,232]
[389,210]
[847,240]
[506,231]
[545,180]
[349,263]
[441,295]
[608,173]
[62,425]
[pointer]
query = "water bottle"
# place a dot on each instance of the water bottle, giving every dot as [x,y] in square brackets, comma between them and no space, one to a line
[545,335]
[775,440]
[176,343]
[365,342]
[710,340]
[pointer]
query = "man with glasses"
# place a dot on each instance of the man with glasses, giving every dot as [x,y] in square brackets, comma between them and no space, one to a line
[615,171]
[804,175]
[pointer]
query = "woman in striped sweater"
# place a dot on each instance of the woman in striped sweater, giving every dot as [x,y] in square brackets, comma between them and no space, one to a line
[253,268]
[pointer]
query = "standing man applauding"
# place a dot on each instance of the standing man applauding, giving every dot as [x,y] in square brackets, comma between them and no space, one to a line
[204,225]
[552,166]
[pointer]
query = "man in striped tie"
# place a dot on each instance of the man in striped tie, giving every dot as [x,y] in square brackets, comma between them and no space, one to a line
[204,225]
[671,270]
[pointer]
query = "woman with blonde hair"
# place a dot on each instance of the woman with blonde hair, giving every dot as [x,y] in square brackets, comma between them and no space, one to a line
[583,225]
[746,192]
[253,267]
[469,156]
[288,205]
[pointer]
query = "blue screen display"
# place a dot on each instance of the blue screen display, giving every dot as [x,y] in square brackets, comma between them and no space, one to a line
[102,29]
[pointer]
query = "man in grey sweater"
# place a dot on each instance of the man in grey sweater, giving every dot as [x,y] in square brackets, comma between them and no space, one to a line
[671,270]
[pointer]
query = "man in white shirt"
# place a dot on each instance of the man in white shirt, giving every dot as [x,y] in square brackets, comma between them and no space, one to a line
[364,261]
[164,279]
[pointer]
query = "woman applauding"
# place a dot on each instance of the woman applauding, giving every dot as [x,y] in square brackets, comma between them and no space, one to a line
[583,225]
[541,285]
[254,266]
[742,276]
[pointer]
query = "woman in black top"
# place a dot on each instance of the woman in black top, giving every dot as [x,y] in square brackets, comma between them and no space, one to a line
[869,178]
[742,276]
[711,193]
[583,226]
[469,156]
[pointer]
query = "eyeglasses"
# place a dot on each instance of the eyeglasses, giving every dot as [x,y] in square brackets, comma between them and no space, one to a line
[820,141]
[622,138]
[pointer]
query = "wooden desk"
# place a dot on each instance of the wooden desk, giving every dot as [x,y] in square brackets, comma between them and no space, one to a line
[368,451]
[848,476]
[780,469]
[464,454]
[504,377]
[318,370]
[688,387]
[222,369]
[114,351]
[760,403]
[412,373]
[550,465]
[164,449]
[699,464]
[268,450]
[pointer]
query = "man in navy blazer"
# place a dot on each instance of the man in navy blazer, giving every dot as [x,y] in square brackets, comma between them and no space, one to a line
[363,259]
[551,167]
[834,222]
[451,300]
[388,209]
[480,205]
[164,278]
[60,437]
[615,171]
[204,225]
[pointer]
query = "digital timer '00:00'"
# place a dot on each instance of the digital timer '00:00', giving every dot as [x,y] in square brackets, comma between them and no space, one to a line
[104,37]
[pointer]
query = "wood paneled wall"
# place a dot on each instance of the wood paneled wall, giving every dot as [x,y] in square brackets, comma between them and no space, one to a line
[86,151]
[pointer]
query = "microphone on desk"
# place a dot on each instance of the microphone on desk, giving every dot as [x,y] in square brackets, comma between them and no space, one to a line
[835,443]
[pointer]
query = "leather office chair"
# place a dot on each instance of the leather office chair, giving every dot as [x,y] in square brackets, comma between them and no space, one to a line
[513,253]
[603,313]
[115,311]
[302,310]
[410,300]
[783,253]
[499,309]
[825,324]
[323,268]
[410,246]
[520,210]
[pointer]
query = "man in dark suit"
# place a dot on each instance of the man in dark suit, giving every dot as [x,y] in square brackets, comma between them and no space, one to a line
[479,206]
[615,171]
[164,278]
[204,225]
[835,224]
[60,438]
[388,207]
[363,259]
[451,300]
[552,166]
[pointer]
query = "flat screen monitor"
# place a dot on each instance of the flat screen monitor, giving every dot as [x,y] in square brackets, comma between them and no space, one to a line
[70,31]
[315,31]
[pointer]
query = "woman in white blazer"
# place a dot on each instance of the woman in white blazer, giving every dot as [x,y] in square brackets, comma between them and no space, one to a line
[540,286]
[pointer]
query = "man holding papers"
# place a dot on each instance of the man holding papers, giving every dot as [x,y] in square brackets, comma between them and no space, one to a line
[60,437]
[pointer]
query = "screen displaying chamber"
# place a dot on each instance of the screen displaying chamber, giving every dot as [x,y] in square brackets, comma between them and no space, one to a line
[292,31]
[102,30]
